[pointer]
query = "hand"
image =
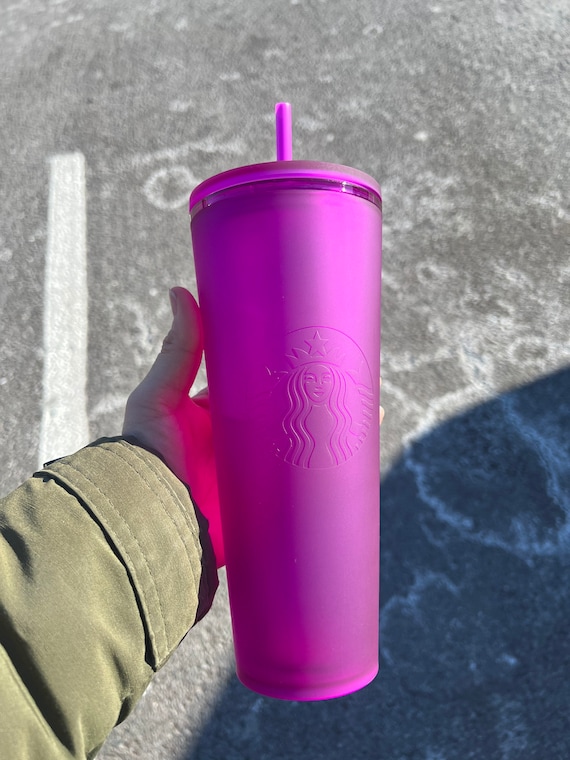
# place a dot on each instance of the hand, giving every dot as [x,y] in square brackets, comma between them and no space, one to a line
[162,416]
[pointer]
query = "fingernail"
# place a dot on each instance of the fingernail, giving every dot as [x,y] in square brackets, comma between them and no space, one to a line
[173,302]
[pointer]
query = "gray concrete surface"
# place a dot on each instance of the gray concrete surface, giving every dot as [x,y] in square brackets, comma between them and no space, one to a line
[460,110]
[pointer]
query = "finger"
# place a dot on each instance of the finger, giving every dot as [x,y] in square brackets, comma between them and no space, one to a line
[202,398]
[176,367]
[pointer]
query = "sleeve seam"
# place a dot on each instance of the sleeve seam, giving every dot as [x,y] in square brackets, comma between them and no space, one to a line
[163,481]
[123,549]
[195,531]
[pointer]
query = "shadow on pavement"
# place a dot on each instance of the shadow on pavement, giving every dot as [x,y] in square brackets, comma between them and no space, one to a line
[475,623]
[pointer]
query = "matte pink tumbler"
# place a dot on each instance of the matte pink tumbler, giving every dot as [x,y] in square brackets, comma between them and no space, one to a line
[288,261]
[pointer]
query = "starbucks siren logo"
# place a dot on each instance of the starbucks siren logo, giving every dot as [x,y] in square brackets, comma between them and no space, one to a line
[328,399]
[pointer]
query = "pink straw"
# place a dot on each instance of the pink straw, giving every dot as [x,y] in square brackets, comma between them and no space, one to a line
[284,131]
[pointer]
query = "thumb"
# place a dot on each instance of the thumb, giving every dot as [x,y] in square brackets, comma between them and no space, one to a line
[175,368]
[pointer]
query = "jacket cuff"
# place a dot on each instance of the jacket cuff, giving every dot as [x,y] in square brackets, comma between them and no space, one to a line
[155,529]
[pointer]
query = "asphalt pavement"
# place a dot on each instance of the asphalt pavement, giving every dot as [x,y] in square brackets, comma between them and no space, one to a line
[460,110]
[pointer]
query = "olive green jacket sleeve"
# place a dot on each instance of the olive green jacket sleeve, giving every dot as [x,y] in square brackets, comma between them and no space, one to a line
[104,566]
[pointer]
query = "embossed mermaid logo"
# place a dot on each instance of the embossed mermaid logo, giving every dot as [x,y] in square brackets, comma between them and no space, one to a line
[329,399]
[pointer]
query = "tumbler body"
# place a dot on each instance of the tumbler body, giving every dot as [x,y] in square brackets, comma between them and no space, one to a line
[288,266]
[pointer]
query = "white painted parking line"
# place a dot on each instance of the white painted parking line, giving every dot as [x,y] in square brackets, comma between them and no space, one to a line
[64,425]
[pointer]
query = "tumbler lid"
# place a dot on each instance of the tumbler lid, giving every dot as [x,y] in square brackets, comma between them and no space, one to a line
[285,170]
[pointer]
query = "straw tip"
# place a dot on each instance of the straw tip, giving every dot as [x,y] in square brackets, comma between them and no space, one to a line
[283,131]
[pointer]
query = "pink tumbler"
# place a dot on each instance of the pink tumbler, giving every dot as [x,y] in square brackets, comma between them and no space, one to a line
[288,262]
